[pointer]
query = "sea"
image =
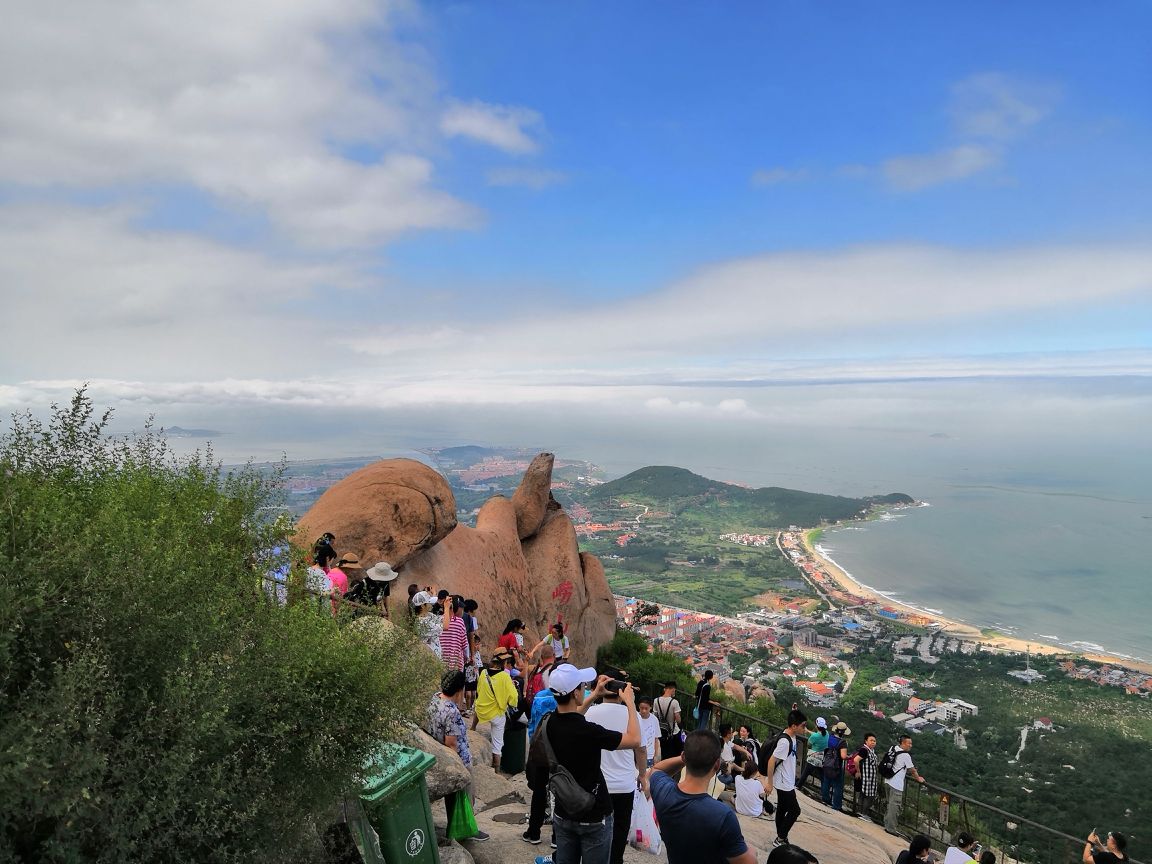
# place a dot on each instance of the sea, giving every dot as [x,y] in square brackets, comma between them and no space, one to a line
[1051,565]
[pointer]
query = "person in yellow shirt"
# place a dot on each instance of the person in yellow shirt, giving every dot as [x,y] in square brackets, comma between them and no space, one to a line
[495,694]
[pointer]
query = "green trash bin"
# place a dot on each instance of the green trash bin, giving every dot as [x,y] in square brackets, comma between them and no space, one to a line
[514,754]
[395,801]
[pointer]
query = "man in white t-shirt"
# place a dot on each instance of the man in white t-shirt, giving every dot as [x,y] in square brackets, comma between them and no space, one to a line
[961,853]
[623,770]
[780,774]
[649,731]
[904,769]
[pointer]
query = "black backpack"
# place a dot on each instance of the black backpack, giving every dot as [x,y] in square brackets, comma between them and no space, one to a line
[665,720]
[833,765]
[887,767]
[768,752]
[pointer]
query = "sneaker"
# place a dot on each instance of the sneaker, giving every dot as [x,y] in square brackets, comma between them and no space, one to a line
[528,838]
[864,816]
[779,841]
[553,843]
[480,835]
[543,859]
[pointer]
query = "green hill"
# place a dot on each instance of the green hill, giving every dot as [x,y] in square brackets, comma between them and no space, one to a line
[693,498]
[660,482]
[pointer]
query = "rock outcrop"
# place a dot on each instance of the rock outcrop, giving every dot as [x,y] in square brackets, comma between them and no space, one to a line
[520,561]
[735,689]
[449,775]
[388,511]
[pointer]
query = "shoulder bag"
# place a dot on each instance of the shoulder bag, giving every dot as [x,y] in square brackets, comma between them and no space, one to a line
[570,795]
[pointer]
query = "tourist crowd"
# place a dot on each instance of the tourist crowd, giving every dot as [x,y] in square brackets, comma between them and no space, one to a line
[597,748]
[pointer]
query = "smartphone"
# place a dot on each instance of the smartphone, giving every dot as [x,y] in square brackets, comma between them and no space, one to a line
[615,685]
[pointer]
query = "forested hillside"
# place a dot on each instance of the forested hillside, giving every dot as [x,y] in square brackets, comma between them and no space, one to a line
[698,501]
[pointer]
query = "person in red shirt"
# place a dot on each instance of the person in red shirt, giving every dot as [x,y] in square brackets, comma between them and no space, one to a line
[513,639]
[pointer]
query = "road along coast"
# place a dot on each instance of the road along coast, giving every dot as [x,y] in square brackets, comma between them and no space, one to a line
[921,617]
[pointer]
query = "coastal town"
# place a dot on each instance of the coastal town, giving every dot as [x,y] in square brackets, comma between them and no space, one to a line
[810,646]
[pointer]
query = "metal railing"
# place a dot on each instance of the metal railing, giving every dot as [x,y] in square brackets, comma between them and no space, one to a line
[935,811]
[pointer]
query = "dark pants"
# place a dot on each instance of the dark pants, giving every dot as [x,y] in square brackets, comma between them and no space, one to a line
[538,783]
[705,718]
[808,770]
[582,842]
[832,791]
[787,812]
[621,822]
[450,803]
[669,747]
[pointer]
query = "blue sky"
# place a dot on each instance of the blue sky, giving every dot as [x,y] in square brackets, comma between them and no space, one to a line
[471,207]
[661,121]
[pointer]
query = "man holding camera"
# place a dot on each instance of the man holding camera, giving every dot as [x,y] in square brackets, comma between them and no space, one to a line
[622,769]
[577,743]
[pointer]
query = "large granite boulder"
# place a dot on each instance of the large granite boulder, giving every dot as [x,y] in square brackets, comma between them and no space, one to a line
[520,561]
[387,511]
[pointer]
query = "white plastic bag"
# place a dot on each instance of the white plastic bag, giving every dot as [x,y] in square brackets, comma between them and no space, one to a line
[643,833]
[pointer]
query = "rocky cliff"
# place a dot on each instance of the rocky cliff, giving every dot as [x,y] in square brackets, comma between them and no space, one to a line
[520,561]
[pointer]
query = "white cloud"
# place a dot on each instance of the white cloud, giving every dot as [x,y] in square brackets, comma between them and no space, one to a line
[529,178]
[775,176]
[911,173]
[995,106]
[771,305]
[96,296]
[139,305]
[663,403]
[989,111]
[253,103]
[750,392]
[734,406]
[506,127]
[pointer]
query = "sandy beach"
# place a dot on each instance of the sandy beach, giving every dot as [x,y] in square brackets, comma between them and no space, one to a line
[957,628]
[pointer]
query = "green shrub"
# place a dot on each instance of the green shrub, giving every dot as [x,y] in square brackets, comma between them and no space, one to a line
[647,671]
[155,703]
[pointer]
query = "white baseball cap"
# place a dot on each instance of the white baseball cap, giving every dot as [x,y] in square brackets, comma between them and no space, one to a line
[821,723]
[565,678]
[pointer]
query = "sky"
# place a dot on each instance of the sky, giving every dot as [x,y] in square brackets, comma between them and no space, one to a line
[463,221]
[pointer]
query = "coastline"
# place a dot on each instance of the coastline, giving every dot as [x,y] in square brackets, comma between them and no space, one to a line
[956,628]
